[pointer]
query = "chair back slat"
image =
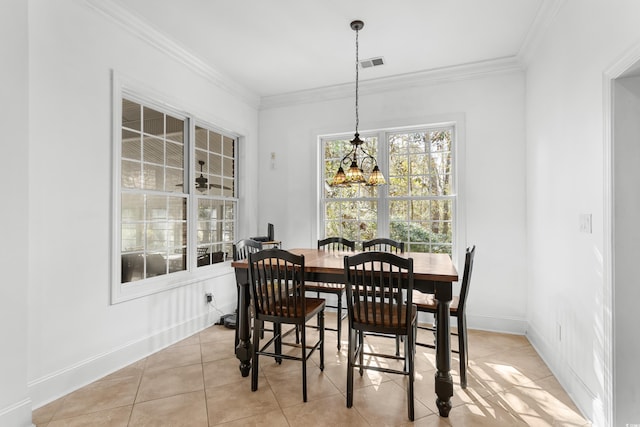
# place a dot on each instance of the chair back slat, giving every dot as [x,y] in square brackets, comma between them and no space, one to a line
[336,244]
[383,245]
[376,282]
[277,283]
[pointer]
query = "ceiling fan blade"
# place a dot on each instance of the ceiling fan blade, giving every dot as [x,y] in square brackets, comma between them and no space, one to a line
[224,187]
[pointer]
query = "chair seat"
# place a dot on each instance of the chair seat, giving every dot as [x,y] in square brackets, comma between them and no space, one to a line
[368,318]
[313,305]
[337,288]
[427,302]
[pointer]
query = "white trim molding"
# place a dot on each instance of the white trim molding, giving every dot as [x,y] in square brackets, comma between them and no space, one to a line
[624,64]
[385,84]
[546,14]
[156,39]
[566,376]
[503,325]
[54,385]
[14,415]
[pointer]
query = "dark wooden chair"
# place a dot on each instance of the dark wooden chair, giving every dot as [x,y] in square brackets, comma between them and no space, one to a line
[375,282]
[427,303]
[244,247]
[337,289]
[384,245]
[241,250]
[277,286]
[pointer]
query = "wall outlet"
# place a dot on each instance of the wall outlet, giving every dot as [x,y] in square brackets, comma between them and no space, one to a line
[208,297]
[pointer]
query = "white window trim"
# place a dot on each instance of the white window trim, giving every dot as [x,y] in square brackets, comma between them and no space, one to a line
[457,121]
[121,292]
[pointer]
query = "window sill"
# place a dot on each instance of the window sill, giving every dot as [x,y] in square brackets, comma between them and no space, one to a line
[121,292]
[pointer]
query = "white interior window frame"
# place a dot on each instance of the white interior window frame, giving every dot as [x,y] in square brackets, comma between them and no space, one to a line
[193,236]
[122,292]
[454,120]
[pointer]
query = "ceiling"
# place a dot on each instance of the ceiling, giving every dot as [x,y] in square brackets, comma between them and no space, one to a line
[282,46]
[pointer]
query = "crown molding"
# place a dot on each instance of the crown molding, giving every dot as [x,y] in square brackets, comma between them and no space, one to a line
[399,82]
[157,40]
[547,13]
[143,31]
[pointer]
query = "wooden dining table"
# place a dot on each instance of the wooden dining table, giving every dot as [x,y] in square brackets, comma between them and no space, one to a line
[433,273]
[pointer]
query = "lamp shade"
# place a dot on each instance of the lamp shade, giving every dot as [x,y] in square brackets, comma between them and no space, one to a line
[339,178]
[354,174]
[376,177]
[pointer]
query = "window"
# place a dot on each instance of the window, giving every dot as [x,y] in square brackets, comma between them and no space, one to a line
[417,206]
[215,155]
[175,207]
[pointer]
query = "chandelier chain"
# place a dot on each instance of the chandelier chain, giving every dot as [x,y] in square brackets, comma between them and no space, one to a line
[357,75]
[356,171]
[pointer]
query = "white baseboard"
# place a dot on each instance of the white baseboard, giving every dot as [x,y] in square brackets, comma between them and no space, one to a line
[485,323]
[18,414]
[496,324]
[57,384]
[580,394]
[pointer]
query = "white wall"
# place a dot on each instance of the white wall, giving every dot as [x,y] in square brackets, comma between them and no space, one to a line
[15,405]
[492,109]
[565,176]
[75,335]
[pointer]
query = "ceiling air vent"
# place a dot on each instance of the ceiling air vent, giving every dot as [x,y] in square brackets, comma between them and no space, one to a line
[371,62]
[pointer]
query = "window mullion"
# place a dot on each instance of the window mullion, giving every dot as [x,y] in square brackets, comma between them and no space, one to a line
[383,191]
[192,223]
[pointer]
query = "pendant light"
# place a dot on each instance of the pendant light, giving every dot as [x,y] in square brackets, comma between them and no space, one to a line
[357,158]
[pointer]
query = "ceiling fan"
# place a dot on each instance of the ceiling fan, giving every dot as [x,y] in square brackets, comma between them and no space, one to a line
[202,182]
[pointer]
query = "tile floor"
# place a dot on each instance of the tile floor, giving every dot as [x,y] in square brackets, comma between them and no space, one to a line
[196,382]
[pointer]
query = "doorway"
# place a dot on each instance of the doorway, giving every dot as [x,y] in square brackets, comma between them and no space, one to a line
[625,243]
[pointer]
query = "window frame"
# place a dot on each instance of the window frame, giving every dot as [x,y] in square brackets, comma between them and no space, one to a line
[121,292]
[458,152]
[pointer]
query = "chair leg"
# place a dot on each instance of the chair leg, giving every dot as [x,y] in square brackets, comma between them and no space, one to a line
[303,345]
[410,358]
[339,327]
[398,340]
[257,324]
[351,358]
[277,332]
[361,350]
[237,336]
[321,325]
[406,354]
[462,349]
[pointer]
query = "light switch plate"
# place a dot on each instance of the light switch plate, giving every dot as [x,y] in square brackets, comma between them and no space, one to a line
[585,223]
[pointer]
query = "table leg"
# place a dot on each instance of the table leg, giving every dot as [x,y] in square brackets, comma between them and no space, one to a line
[243,349]
[443,379]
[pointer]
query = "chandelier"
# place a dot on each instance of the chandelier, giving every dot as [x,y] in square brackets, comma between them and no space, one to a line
[358,159]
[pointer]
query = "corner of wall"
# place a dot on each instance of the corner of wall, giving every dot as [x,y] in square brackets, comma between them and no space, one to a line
[568,379]
[15,415]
